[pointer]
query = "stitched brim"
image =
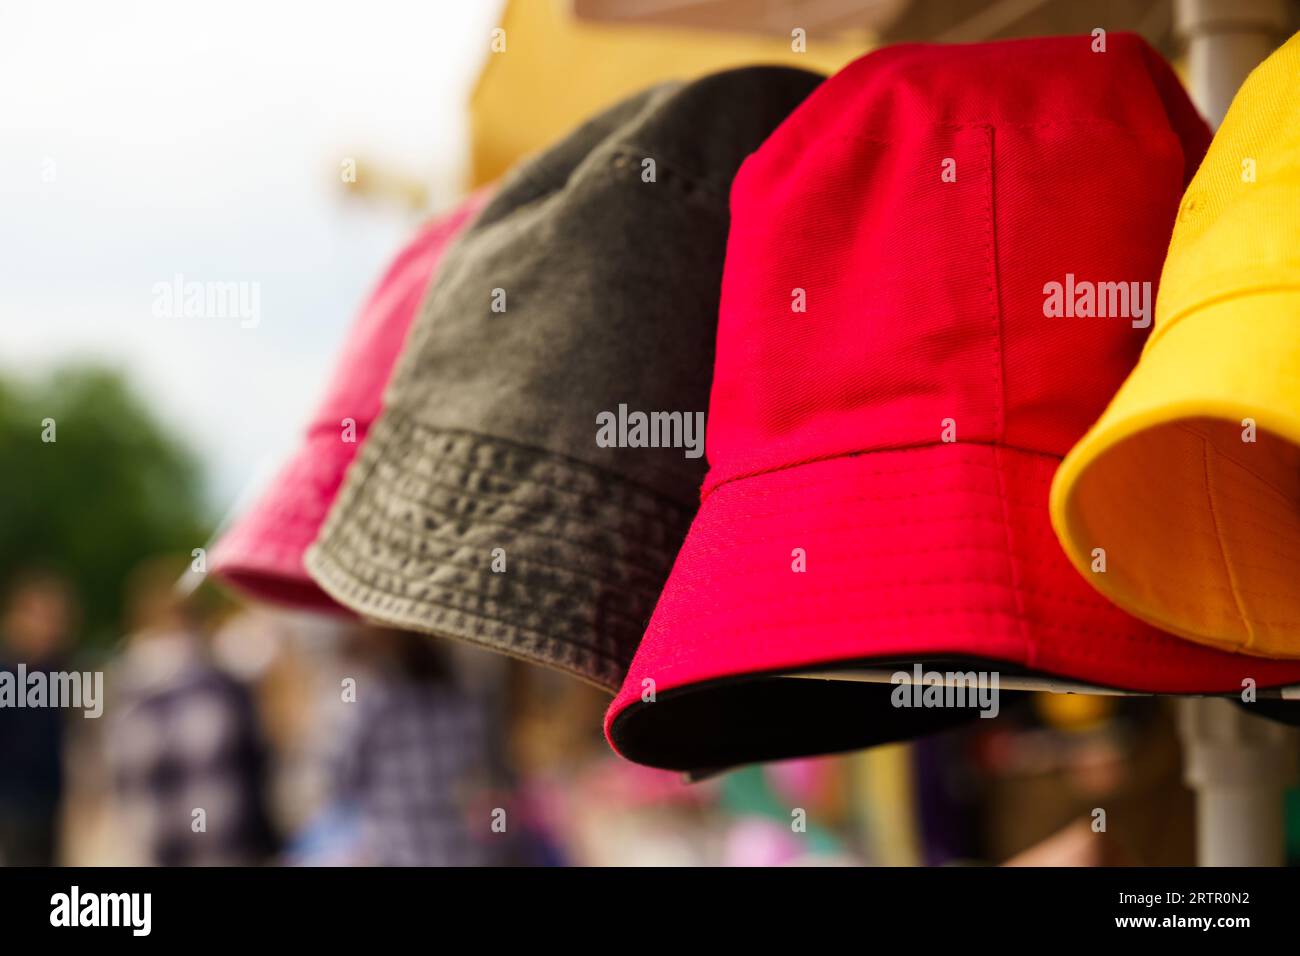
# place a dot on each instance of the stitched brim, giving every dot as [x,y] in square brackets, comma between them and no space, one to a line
[516,549]
[1199,523]
[261,555]
[934,554]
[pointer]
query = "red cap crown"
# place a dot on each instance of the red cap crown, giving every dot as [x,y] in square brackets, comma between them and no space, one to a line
[891,244]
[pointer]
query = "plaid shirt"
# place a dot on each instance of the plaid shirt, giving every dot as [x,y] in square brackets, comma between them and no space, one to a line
[183,736]
[410,766]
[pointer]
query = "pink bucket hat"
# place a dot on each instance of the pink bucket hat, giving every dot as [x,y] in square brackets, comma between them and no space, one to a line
[261,554]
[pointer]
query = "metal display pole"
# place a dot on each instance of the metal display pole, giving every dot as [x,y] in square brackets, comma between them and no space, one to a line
[1238,764]
[1226,39]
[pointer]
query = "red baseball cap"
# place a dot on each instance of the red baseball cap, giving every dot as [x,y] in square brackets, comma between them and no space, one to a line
[261,553]
[894,389]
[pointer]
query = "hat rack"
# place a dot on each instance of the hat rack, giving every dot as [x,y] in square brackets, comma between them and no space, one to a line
[1238,764]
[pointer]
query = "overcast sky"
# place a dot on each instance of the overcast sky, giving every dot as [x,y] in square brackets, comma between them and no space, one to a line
[139,140]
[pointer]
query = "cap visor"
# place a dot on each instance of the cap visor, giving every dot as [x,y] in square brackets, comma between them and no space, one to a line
[528,553]
[941,553]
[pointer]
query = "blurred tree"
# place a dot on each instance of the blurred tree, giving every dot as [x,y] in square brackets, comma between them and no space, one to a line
[111,489]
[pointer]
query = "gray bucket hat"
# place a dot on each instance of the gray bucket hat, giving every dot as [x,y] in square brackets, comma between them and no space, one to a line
[519,490]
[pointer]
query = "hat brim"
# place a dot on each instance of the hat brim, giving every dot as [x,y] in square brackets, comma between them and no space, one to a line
[528,553]
[942,553]
[261,555]
[1200,528]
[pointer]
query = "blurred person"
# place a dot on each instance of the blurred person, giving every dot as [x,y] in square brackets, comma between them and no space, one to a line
[557,750]
[185,746]
[414,765]
[39,614]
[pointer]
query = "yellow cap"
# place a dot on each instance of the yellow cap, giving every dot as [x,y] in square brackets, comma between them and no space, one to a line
[1182,504]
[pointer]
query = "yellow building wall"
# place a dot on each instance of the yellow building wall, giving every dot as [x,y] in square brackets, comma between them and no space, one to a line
[557,71]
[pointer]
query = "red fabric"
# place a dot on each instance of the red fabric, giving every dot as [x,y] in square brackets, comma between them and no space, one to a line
[925,303]
[261,554]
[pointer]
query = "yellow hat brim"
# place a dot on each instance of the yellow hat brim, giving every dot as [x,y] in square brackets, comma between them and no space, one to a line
[1199,527]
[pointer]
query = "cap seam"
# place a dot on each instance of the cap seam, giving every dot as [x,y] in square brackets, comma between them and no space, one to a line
[331,565]
[342,549]
[911,446]
[995,304]
[549,188]
[467,465]
[394,414]
[679,173]
[988,124]
[1218,537]
[401,498]
[1000,387]
[1278,492]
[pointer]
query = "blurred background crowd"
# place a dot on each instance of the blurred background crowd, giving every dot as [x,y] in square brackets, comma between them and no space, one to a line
[147,140]
[306,741]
